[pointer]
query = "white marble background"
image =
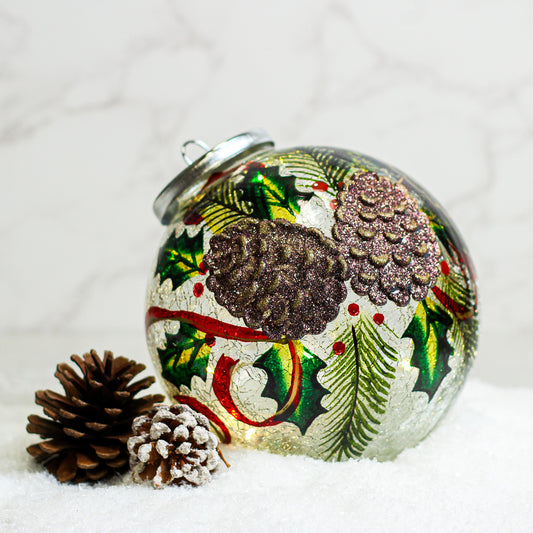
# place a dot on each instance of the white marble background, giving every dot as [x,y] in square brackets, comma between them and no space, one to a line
[96,97]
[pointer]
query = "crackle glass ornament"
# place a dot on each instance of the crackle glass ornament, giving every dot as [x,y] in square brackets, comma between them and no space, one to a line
[309,301]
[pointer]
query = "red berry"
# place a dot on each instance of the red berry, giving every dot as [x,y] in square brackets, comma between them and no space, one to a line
[320,186]
[333,204]
[338,348]
[379,319]
[353,309]
[202,268]
[192,218]
[340,185]
[210,341]
[198,289]
[445,268]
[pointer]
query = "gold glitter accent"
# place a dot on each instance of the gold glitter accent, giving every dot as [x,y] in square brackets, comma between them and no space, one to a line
[366,234]
[358,253]
[421,278]
[422,250]
[367,216]
[308,257]
[367,278]
[410,225]
[365,199]
[386,215]
[392,237]
[379,260]
[401,259]
[285,252]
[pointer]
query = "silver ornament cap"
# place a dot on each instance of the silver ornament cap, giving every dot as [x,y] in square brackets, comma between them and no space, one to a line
[218,158]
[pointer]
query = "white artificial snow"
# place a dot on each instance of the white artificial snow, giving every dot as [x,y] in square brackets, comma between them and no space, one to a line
[200,435]
[163,448]
[143,453]
[157,429]
[474,473]
[181,432]
[184,448]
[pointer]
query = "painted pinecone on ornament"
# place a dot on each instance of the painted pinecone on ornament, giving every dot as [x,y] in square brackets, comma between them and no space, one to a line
[281,277]
[389,244]
[173,445]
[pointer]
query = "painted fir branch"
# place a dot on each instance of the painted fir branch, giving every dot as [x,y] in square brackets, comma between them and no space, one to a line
[224,205]
[317,164]
[361,379]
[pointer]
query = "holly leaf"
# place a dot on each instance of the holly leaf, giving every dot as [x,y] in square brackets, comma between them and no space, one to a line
[276,362]
[270,194]
[186,355]
[428,329]
[180,258]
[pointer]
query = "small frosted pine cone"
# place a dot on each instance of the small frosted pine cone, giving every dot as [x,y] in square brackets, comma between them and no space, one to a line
[281,277]
[390,247]
[173,445]
[87,427]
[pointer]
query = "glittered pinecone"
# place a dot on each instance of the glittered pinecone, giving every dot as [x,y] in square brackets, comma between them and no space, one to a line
[389,244]
[173,445]
[90,424]
[281,277]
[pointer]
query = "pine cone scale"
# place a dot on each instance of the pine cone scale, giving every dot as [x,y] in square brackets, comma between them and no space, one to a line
[113,412]
[67,470]
[53,445]
[96,475]
[70,432]
[141,384]
[106,452]
[72,389]
[85,461]
[36,451]
[42,426]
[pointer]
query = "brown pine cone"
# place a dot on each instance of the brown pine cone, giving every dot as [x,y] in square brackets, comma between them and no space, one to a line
[282,277]
[389,244]
[173,445]
[90,424]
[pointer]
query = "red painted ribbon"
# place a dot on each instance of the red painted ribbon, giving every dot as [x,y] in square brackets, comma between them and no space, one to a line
[447,301]
[221,388]
[211,326]
[193,403]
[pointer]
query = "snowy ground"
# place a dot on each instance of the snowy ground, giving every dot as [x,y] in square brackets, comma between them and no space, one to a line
[474,473]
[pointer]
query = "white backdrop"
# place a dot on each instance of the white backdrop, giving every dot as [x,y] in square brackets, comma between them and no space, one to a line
[96,98]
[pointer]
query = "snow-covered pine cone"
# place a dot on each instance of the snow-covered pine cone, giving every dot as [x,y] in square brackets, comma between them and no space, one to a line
[281,277]
[172,445]
[389,244]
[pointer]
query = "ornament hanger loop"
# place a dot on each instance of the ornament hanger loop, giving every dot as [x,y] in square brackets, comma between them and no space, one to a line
[196,142]
[222,156]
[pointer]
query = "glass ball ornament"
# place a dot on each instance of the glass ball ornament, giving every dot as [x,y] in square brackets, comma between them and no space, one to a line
[309,301]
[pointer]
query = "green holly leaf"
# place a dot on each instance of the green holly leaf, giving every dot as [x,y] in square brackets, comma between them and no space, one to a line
[186,355]
[428,329]
[276,362]
[270,194]
[180,258]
